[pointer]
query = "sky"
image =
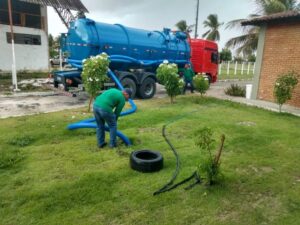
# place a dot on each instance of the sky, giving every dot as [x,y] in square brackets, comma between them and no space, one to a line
[157,14]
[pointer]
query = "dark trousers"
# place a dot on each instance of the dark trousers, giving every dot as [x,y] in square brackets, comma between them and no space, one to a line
[186,85]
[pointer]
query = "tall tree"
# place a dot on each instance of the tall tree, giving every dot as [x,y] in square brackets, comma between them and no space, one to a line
[247,42]
[53,45]
[182,26]
[213,24]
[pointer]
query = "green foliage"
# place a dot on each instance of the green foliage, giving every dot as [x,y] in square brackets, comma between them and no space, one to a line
[248,41]
[21,141]
[201,84]
[225,55]
[213,25]
[251,58]
[208,166]
[167,74]
[94,74]
[9,157]
[284,87]
[204,139]
[182,26]
[53,45]
[235,90]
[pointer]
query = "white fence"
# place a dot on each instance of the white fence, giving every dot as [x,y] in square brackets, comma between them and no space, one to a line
[236,70]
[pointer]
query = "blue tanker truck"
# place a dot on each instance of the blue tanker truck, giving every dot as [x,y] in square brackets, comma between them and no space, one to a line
[134,53]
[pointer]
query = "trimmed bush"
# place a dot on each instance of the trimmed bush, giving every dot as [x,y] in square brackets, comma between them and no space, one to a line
[284,87]
[236,90]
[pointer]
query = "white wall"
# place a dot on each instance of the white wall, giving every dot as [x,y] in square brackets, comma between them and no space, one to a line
[28,57]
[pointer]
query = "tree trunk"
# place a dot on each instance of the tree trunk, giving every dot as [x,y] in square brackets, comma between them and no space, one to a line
[218,155]
[90,103]
[280,107]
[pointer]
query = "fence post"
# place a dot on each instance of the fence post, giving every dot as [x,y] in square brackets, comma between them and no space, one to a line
[235,68]
[220,68]
[248,71]
[253,67]
[228,65]
[242,68]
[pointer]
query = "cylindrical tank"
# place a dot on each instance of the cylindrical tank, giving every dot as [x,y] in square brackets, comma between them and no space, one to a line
[86,38]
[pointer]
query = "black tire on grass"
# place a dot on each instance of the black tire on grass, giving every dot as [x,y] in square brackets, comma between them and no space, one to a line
[146,161]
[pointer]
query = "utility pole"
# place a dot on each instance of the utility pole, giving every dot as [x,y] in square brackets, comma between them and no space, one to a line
[197,14]
[14,70]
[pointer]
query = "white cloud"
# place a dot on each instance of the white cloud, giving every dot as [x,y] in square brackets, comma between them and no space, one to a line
[157,14]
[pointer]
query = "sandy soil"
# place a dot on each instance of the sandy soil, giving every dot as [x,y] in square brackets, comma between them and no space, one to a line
[38,103]
[20,104]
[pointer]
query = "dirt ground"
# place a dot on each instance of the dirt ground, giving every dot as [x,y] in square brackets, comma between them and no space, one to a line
[20,104]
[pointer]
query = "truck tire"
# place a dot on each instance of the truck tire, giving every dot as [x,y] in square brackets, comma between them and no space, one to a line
[147,89]
[146,161]
[129,83]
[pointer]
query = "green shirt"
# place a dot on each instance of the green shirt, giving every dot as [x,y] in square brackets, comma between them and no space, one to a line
[188,74]
[111,101]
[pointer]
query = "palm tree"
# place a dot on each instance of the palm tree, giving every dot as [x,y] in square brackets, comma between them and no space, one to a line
[247,42]
[182,26]
[213,24]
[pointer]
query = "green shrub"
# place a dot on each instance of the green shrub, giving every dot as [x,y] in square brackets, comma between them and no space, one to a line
[201,84]
[21,141]
[235,90]
[94,74]
[210,165]
[284,87]
[167,74]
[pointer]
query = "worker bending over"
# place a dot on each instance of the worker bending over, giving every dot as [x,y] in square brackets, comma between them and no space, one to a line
[107,108]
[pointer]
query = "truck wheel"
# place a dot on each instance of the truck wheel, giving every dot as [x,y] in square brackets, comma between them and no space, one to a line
[147,89]
[129,83]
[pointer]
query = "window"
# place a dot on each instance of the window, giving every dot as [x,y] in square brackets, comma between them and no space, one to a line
[23,13]
[21,7]
[4,18]
[33,21]
[25,39]
[214,57]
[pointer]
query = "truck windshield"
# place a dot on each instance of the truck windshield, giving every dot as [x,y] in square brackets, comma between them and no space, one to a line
[214,57]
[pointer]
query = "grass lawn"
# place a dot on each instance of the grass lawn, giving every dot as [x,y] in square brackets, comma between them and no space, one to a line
[239,75]
[49,175]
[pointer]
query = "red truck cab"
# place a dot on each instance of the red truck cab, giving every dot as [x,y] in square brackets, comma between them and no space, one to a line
[205,58]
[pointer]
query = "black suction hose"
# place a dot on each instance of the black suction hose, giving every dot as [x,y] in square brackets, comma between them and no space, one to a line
[168,186]
[163,189]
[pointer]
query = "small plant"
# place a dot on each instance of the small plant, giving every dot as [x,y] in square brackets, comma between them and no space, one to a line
[21,141]
[201,84]
[9,158]
[94,75]
[235,90]
[210,165]
[167,74]
[284,87]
